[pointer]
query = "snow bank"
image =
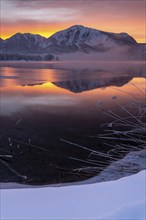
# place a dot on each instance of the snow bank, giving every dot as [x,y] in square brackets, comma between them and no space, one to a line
[135,211]
[120,199]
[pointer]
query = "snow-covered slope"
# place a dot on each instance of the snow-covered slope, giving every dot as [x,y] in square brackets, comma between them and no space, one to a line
[123,199]
[86,39]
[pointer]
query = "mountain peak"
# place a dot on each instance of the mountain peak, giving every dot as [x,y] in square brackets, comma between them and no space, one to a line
[78,26]
[25,35]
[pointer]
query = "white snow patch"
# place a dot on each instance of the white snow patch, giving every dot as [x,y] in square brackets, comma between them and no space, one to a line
[121,199]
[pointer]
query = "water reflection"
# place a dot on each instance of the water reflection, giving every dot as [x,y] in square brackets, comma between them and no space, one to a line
[50,120]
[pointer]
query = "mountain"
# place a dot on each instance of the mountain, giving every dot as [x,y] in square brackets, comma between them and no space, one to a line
[80,38]
[74,39]
[1,39]
[25,47]
[24,43]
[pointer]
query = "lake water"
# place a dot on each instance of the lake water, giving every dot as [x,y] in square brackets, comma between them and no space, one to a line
[53,116]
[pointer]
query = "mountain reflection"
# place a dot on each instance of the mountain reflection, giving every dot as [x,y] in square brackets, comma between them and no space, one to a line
[87,85]
[50,126]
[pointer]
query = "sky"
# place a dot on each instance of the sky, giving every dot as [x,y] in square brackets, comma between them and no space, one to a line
[45,17]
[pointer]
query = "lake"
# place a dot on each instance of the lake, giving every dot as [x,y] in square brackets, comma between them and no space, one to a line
[67,122]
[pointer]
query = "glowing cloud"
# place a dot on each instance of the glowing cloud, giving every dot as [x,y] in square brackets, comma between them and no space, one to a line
[47,17]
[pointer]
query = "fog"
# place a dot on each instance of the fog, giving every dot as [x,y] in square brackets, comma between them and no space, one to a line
[118,54]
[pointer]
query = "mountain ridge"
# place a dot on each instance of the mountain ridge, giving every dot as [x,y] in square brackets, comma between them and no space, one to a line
[77,38]
[74,26]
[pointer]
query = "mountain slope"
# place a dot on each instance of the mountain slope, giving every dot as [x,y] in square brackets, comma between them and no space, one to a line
[74,39]
[80,38]
[24,43]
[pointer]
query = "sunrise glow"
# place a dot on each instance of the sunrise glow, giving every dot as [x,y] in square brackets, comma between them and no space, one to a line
[47,17]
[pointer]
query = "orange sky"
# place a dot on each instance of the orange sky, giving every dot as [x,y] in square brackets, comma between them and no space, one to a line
[45,17]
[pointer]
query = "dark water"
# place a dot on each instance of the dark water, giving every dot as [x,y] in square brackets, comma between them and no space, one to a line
[52,115]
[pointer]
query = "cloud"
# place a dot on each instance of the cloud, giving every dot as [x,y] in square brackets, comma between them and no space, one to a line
[89,11]
[99,5]
[40,13]
[110,15]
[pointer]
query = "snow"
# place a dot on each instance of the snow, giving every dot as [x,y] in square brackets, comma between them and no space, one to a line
[79,35]
[120,199]
[133,211]
[86,35]
[130,164]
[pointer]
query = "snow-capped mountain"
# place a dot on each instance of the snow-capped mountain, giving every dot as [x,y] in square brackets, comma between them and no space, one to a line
[87,39]
[74,39]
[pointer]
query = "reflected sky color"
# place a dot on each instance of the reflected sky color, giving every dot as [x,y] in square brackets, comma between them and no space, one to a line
[46,17]
[23,87]
[15,98]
